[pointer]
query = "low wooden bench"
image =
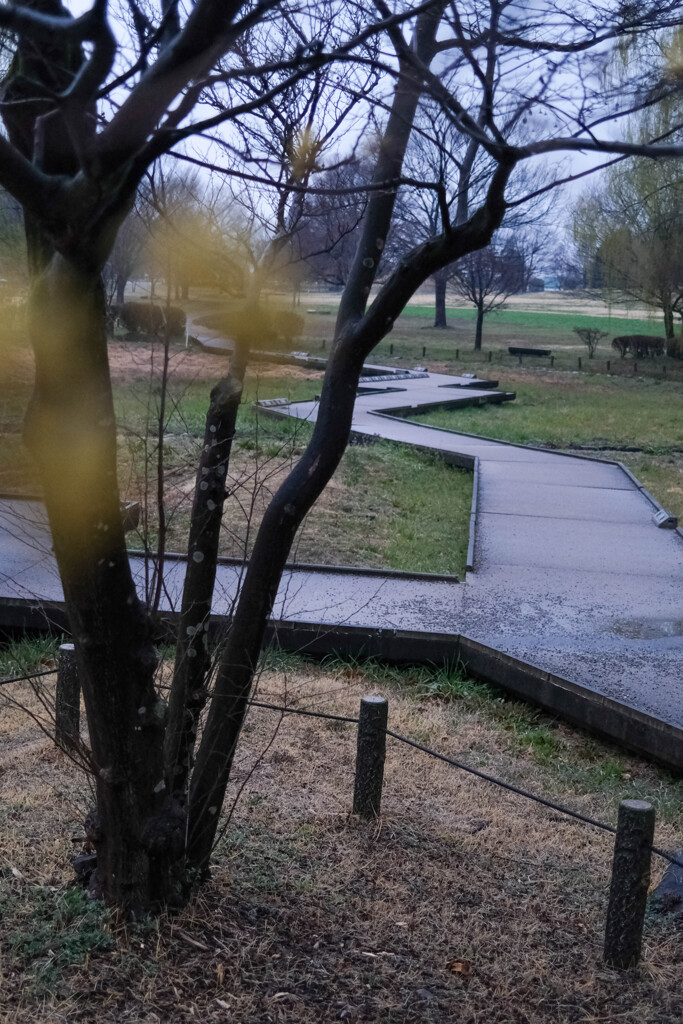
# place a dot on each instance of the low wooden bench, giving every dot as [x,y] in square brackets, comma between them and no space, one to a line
[516,350]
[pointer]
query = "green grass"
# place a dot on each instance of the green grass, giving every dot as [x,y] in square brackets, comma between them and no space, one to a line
[421,507]
[559,324]
[643,414]
[51,931]
[137,404]
[389,506]
[29,654]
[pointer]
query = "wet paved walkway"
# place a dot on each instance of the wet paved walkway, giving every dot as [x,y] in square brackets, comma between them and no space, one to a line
[570,573]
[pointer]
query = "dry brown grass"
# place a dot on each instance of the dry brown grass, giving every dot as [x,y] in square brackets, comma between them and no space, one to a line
[463,903]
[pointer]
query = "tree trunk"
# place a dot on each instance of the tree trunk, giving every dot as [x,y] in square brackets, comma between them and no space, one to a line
[480,328]
[308,478]
[71,432]
[239,659]
[121,283]
[440,281]
[671,345]
[192,659]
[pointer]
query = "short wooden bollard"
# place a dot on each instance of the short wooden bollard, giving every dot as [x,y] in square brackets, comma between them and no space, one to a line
[67,697]
[608,364]
[424,351]
[579,362]
[370,753]
[552,362]
[391,350]
[630,881]
[457,353]
[490,356]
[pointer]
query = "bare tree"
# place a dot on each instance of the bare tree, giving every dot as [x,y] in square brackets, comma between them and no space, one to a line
[629,229]
[488,277]
[80,137]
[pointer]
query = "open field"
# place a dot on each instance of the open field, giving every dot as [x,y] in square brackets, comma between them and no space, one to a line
[589,303]
[461,897]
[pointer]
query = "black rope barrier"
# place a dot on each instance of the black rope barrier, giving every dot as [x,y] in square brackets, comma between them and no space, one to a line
[473,771]
[301,711]
[283,709]
[27,679]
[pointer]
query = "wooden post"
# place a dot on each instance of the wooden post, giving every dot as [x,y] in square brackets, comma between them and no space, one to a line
[635,367]
[457,353]
[424,351]
[372,741]
[67,697]
[630,881]
[322,344]
[490,355]
[391,349]
[552,362]
[520,360]
[579,362]
[608,365]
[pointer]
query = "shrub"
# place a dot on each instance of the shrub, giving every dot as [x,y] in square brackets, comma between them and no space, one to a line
[146,318]
[289,325]
[591,337]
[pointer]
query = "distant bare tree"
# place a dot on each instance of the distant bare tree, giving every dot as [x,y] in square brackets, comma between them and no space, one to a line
[488,277]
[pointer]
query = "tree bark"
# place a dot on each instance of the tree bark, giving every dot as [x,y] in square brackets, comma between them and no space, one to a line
[479,329]
[192,660]
[440,281]
[669,330]
[70,430]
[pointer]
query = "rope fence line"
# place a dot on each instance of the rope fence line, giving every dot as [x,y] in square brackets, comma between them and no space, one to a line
[518,791]
[27,679]
[634,834]
[470,770]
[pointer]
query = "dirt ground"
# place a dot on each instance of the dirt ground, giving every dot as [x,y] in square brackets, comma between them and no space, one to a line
[131,360]
[461,903]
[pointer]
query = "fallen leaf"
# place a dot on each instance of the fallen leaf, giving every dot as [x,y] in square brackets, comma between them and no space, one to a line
[461,967]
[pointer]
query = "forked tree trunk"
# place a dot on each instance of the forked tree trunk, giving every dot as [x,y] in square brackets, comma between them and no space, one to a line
[440,281]
[71,432]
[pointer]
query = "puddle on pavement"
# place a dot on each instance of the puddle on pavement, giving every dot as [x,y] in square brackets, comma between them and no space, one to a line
[647,629]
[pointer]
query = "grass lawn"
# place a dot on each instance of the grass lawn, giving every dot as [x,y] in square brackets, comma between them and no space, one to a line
[386,506]
[460,897]
[415,341]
